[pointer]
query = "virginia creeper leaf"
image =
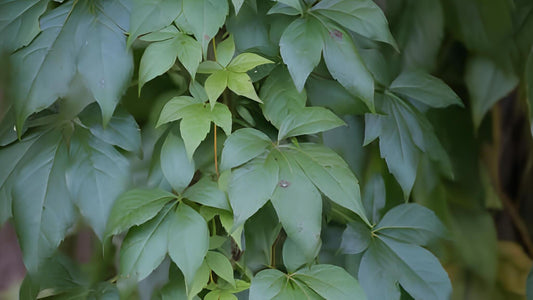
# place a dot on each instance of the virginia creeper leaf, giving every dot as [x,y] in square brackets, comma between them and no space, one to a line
[241,84]
[242,146]
[177,167]
[206,192]
[205,18]
[151,15]
[20,22]
[220,265]
[308,120]
[330,282]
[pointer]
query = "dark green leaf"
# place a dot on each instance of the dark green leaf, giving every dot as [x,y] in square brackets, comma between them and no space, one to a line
[151,15]
[242,146]
[136,207]
[221,266]
[206,192]
[332,95]
[487,83]
[205,18]
[346,66]
[356,238]
[299,206]
[177,168]
[300,47]
[425,88]
[292,256]
[362,16]
[411,223]
[97,175]
[188,240]
[175,288]
[145,246]
[251,186]
[20,22]
[330,282]
[267,284]
[308,120]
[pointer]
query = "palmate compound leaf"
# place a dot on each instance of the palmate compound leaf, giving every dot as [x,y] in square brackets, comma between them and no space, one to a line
[331,175]
[19,22]
[96,176]
[151,15]
[404,135]
[160,56]
[136,207]
[361,16]
[43,70]
[388,262]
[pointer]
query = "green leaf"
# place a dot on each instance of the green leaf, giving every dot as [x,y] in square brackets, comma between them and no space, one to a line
[388,262]
[332,95]
[206,192]
[188,240]
[215,84]
[346,66]
[242,146]
[308,121]
[299,206]
[136,207]
[328,171]
[330,282]
[173,109]
[122,130]
[529,79]
[221,116]
[97,175]
[411,223]
[404,134]
[161,35]
[280,96]
[241,84]
[209,67]
[198,91]
[205,18]
[361,16]
[145,246]
[200,280]
[280,8]
[300,48]
[175,288]
[267,284]
[177,168]
[104,62]
[487,83]
[292,3]
[20,22]
[151,15]
[42,208]
[292,256]
[225,51]
[247,61]
[251,186]
[194,127]
[356,238]
[374,197]
[189,53]
[221,266]
[425,88]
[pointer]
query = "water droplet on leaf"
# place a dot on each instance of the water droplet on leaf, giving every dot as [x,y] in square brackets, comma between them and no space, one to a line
[284,183]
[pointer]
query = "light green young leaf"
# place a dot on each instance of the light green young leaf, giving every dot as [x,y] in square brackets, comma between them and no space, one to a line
[209,67]
[388,262]
[356,238]
[241,84]
[188,240]
[299,207]
[346,66]
[215,84]
[145,246]
[206,192]
[121,131]
[173,109]
[301,46]
[194,127]
[20,22]
[425,88]
[361,16]
[220,295]
[221,266]
[251,186]
[267,284]
[330,282]
[247,61]
[205,17]
[176,167]
[189,53]
[225,51]
[328,171]
[221,116]
[97,175]
[42,207]
[151,15]
[487,83]
[411,223]
[200,281]
[309,120]
[280,96]
[104,62]
[242,146]
[136,207]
